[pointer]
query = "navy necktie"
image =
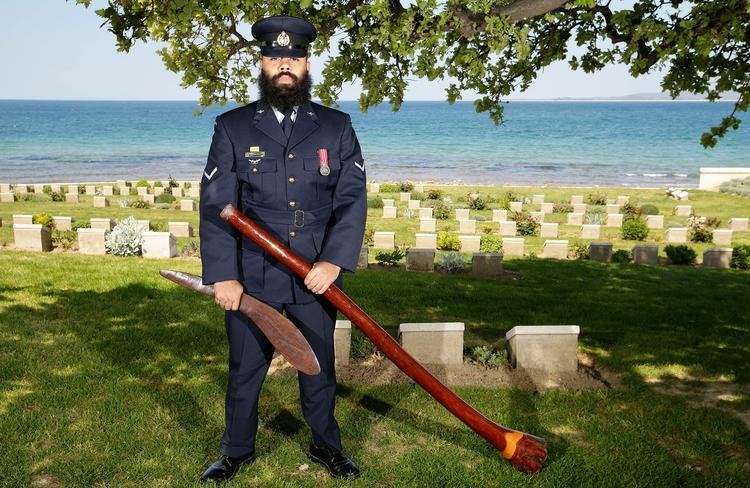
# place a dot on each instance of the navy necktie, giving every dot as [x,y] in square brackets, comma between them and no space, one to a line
[286,124]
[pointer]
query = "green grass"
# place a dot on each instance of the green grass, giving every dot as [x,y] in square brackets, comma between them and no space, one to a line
[112,376]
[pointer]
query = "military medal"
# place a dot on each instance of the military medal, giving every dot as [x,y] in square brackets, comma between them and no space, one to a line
[323,158]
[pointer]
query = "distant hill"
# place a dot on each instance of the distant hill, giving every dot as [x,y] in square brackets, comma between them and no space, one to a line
[658,96]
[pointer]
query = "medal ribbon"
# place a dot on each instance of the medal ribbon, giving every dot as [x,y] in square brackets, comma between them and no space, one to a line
[323,159]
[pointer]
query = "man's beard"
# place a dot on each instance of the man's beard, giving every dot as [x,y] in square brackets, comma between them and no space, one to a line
[285,97]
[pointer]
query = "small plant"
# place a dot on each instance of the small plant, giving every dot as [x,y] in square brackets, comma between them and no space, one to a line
[390,188]
[369,238]
[190,249]
[45,219]
[562,207]
[362,347]
[736,186]
[440,209]
[409,213]
[480,218]
[140,203]
[64,239]
[47,189]
[595,216]
[448,241]
[158,227]
[622,256]
[680,254]
[476,201]
[57,196]
[159,184]
[486,229]
[434,194]
[172,182]
[405,186]
[126,238]
[490,243]
[81,189]
[630,211]
[163,206]
[579,250]
[81,224]
[165,198]
[489,358]
[634,230]
[596,198]
[526,225]
[649,209]
[390,258]
[698,231]
[741,256]
[375,202]
[142,183]
[416,195]
[125,203]
[452,262]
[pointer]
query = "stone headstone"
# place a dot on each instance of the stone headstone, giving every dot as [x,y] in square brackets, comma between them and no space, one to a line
[676,235]
[63,223]
[462,214]
[108,190]
[158,190]
[375,187]
[433,343]
[579,208]
[655,221]
[22,219]
[159,245]
[38,188]
[389,212]
[101,223]
[143,224]
[537,199]
[538,216]
[614,220]
[574,199]
[22,189]
[427,225]
[508,228]
[389,202]
[549,229]
[516,206]
[590,231]
[467,226]
[7,197]
[556,249]
[487,264]
[499,215]
[71,197]
[101,202]
[418,259]
[645,254]
[404,196]
[32,237]
[419,188]
[181,229]
[384,240]
[342,342]
[149,198]
[425,212]
[622,200]
[426,241]
[513,246]
[600,251]
[613,208]
[683,210]
[738,224]
[363,257]
[142,190]
[717,257]
[187,205]
[547,207]
[575,218]
[723,237]
[177,192]
[470,243]
[91,241]
[414,204]
[194,192]
[551,348]
[90,189]
[5,188]
[124,190]
[56,187]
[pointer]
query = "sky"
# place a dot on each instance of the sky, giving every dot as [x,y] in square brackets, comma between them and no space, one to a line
[56,50]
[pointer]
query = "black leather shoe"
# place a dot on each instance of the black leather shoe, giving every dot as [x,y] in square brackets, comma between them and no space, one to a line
[225,468]
[338,465]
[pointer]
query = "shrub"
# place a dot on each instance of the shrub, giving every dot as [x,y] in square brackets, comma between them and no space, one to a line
[741,256]
[489,358]
[81,189]
[172,182]
[375,202]
[448,241]
[440,209]
[163,206]
[125,203]
[47,189]
[525,224]
[362,347]
[649,209]
[57,196]
[165,198]
[159,184]
[81,224]
[158,226]
[64,239]
[490,243]
[486,229]
[191,249]
[405,186]
[622,256]
[595,216]
[188,185]
[142,183]
[596,198]
[630,211]
[634,230]
[698,230]
[125,239]
[579,250]
[434,194]
[140,204]
[45,219]
[562,207]
[452,262]
[369,238]
[133,191]
[476,201]
[736,186]
[390,258]
[480,218]
[418,195]
[680,254]
[409,213]
[390,188]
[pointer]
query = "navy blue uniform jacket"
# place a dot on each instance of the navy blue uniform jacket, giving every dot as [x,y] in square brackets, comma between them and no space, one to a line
[278,184]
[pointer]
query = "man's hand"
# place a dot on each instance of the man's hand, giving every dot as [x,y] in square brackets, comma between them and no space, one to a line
[321,276]
[227,294]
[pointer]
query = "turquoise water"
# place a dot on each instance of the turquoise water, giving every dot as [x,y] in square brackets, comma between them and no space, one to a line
[557,143]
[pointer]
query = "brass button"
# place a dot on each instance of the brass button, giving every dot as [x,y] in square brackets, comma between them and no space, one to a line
[292,233]
[255,170]
[292,203]
[292,179]
[291,156]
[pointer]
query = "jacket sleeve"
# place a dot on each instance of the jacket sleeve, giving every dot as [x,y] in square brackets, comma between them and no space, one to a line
[219,185]
[343,241]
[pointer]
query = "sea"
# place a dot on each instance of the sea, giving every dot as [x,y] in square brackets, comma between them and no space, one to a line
[555,143]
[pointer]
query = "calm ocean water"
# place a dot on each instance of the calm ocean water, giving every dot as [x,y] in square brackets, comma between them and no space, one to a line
[559,143]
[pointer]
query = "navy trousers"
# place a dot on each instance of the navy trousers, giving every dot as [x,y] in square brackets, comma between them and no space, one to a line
[250,355]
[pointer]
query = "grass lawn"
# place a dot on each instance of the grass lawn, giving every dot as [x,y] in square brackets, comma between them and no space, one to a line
[112,376]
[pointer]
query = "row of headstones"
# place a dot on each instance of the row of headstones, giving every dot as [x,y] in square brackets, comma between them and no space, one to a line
[185,205]
[35,237]
[551,348]
[6,191]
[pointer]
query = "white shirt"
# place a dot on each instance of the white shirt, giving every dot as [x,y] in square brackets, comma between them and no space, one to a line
[280,116]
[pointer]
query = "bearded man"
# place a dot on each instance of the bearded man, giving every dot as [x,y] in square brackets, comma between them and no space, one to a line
[296,169]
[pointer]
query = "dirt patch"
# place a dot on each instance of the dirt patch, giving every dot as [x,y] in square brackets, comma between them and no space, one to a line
[44,480]
[710,393]
[378,370]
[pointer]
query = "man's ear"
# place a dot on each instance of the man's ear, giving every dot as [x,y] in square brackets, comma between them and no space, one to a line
[308,64]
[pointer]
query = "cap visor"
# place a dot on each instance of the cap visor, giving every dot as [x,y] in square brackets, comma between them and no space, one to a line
[282,52]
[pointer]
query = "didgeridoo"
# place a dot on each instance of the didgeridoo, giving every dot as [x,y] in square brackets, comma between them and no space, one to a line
[524,451]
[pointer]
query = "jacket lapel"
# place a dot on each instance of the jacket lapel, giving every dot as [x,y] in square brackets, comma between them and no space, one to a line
[304,124]
[265,120]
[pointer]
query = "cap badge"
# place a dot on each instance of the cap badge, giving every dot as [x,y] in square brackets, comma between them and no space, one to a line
[282,39]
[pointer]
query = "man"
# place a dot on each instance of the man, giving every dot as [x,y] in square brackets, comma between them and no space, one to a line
[295,168]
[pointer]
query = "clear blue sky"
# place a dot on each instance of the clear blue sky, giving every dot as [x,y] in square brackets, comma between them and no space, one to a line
[56,50]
